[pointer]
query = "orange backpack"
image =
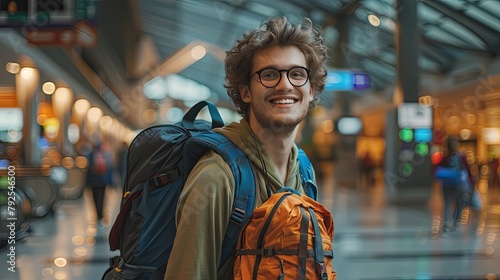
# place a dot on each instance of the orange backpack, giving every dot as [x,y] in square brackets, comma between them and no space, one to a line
[288,237]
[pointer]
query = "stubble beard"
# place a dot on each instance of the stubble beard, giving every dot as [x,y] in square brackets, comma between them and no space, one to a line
[279,128]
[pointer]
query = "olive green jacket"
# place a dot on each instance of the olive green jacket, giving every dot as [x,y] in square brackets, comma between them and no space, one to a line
[205,205]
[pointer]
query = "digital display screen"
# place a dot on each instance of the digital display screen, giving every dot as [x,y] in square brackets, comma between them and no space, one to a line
[423,135]
[414,115]
[345,80]
[349,125]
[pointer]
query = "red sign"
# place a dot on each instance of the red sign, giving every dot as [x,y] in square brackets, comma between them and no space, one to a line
[81,34]
[51,37]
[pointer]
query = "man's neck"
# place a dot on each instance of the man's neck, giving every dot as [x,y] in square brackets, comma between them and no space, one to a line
[278,147]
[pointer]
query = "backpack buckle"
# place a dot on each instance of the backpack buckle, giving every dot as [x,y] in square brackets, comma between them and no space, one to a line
[321,270]
[238,215]
[164,178]
[267,252]
[117,262]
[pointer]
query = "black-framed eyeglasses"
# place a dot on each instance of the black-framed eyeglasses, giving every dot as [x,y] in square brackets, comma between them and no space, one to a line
[271,77]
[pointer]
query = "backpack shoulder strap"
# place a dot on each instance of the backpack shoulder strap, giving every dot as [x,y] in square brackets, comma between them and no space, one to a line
[306,173]
[244,193]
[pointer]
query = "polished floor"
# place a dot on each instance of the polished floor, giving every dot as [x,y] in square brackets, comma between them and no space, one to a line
[375,238]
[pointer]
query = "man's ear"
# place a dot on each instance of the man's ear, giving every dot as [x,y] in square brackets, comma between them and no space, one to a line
[245,93]
[311,93]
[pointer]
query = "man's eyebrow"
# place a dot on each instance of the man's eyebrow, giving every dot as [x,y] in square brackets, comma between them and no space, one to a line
[280,68]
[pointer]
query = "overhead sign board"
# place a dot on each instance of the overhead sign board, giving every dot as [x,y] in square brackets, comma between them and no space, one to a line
[347,80]
[38,14]
[414,115]
[54,22]
[13,13]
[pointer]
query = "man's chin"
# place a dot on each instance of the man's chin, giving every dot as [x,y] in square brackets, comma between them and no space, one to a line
[284,125]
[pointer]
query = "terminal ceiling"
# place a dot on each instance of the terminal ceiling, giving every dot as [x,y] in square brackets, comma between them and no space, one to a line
[138,36]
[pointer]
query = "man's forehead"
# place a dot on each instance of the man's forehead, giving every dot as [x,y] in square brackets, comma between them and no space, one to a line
[279,57]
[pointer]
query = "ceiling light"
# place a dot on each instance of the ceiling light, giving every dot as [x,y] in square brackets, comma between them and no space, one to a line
[374,20]
[62,100]
[27,73]
[12,67]
[198,52]
[81,106]
[48,88]
[94,114]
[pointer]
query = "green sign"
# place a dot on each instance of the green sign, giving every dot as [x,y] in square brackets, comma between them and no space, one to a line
[13,12]
[53,13]
[406,135]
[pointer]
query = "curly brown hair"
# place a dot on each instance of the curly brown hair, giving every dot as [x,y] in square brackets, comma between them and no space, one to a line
[275,32]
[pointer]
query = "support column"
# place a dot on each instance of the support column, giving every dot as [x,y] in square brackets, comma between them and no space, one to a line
[406,44]
[407,173]
[27,82]
[346,167]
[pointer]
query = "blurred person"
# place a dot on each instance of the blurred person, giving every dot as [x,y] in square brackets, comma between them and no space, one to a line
[274,75]
[99,176]
[456,194]
[494,166]
[367,165]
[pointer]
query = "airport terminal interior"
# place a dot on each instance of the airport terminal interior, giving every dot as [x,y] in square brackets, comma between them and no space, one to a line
[404,76]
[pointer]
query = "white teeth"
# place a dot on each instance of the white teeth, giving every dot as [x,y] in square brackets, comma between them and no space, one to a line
[284,101]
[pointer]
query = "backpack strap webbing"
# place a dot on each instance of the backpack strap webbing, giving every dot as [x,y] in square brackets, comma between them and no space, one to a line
[307,175]
[319,255]
[304,238]
[269,252]
[263,231]
[244,192]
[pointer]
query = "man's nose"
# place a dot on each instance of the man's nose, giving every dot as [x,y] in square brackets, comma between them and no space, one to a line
[284,82]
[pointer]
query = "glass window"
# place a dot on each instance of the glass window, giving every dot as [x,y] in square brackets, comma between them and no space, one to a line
[388,57]
[428,14]
[437,34]
[457,5]
[380,69]
[384,8]
[428,64]
[485,17]
[492,7]
[460,31]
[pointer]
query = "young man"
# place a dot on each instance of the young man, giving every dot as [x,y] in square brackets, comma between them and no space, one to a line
[273,75]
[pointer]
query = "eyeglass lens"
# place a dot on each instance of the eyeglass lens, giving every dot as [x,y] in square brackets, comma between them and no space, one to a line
[297,76]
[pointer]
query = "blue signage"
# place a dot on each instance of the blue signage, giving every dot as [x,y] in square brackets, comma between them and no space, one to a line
[422,135]
[361,81]
[346,80]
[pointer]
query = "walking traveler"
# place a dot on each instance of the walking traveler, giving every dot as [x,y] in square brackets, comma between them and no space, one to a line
[457,184]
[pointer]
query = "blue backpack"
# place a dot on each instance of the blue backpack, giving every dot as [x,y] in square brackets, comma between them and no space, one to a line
[159,161]
[448,171]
